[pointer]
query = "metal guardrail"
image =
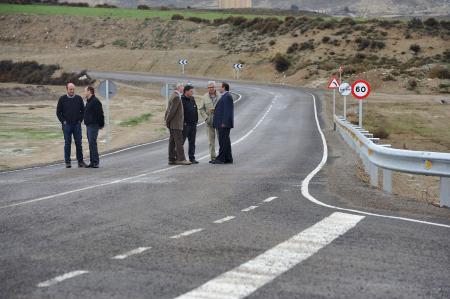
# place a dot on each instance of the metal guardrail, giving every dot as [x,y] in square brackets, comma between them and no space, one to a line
[377,156]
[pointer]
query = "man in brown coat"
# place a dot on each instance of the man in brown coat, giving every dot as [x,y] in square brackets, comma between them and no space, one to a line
[174,119]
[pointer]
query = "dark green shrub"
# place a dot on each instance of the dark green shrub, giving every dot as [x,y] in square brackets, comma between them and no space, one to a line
[431,23]
[281,63]
[381,133]
[143,7]
[177,17]
[439,72]
[292,48]
[272,42]
[415,23]
[325,39]
[415,48]
[412,84]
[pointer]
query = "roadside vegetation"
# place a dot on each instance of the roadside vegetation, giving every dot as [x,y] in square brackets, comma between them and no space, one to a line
[134,121]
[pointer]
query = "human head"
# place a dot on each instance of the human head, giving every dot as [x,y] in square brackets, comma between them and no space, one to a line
[179,87]
[225,87]
[211,87]
[89,91]
[70,89]
[188,90]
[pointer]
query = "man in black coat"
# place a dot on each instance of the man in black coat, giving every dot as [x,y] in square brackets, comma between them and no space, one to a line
[224,122]
[70,112]
[94,120]
[190,120]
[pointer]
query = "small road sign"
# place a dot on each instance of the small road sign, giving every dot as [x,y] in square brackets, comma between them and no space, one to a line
[341,69]
[183,61]
[345,89]
[107,84]
[238,66]
[361,89]
[333,83]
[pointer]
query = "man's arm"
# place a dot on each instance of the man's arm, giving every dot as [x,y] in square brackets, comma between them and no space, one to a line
[202,108]
[174,104]
[101,116]
[81,110]
[59,111]
[227,112]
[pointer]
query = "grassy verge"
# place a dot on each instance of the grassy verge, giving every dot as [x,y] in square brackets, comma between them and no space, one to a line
[30,133]
[134,121]
[109,12]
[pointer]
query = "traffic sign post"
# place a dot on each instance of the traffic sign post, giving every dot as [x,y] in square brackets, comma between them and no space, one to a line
[333,84]
[360,90]
[345,89]
[237,69]
[182,62]
[107,89]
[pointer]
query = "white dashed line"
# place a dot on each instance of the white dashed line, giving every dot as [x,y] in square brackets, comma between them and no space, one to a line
[252,275]
[249,208]
[130,253]
[187,233]
[228,218]
[270,199]
[63,277]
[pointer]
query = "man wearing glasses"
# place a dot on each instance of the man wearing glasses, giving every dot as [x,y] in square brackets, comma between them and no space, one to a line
[208,104]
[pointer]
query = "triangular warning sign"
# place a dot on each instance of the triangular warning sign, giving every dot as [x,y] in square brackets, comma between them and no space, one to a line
[333,83]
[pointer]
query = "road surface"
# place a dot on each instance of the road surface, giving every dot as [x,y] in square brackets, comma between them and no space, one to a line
[139,228]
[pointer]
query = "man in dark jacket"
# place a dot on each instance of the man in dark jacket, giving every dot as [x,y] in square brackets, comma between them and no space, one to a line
[94,121]
[224,122]
[190,120]
[70,112]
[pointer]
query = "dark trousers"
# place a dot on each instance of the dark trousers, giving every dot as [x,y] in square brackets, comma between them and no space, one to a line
[176,150]
[190,132]
[92,134]
[225,145]
[68,131]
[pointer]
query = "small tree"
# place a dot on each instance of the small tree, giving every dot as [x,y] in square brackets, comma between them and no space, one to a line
[415,48]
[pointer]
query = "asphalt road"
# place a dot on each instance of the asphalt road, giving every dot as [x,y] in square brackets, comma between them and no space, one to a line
[139,228]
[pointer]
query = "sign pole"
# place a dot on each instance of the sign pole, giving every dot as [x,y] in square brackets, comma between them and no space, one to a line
[108,126]
[361,113]
[238,73]
[182,66]
[334,108]
[345,107]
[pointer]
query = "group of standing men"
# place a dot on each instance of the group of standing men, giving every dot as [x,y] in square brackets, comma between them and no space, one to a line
[216,109]
[71,112]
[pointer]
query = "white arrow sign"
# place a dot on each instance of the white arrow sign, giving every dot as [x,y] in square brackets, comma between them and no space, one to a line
[183,61]
[238,66]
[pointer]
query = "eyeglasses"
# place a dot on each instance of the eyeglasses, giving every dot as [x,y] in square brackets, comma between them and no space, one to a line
[209,87]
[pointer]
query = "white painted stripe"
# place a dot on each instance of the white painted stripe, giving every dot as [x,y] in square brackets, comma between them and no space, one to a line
[187,233]
[309,177]
[130,253]
[228,218]
[63,277]
[270,199]
[252,275]
[249,208]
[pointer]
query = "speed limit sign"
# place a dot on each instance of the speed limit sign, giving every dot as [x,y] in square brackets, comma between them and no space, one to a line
[361,89]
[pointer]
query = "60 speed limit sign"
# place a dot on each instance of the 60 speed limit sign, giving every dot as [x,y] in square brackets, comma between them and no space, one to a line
[361,89]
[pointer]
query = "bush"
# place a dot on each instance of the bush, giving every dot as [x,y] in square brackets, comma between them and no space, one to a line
[381,133]
[431,23]
[325,39]
[292,48]
[195,19]
[143,7]
[415,48]
[445,24]
[105,6]
[415,23]
[306,45]
[120,43]
[363,43]
[439,72]
[412,84]
[377,45]
[177,17]
[446,56]
[281,63]
[272,42]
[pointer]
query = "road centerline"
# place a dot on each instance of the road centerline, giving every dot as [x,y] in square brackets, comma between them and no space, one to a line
[249,208]
[187,233]
[245,279]
[270,199]
[225,219]
[130,253]
[61,278]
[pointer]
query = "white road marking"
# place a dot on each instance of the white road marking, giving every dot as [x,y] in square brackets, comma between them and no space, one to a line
[63,277]
[187,233]
[245,279]
[228,218]
[130,253]
[270,199]
[249,208]
[309,177]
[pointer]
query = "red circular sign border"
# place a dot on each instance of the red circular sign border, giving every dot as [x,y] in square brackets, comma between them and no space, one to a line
[368,87]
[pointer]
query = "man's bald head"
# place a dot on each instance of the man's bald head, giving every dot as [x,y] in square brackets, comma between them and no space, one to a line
[70,89]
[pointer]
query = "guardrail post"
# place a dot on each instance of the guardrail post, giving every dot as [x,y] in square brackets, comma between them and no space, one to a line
[387,180]
[445,192]
[373,172]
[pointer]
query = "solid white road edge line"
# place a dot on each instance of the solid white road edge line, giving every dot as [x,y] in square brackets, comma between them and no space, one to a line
[187,233]
[270,199]
[228,218]
[60,278]
[249,208]
[130,253]
[309,177]
[245,279]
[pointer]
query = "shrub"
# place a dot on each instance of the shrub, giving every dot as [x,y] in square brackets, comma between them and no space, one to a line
[446,56]
[177,17]
[195,19]
[381,133]
[415,23]
[143,7]
[281,63]
[306,45]
[325,39]
[445,24]
[439,72]
[363,43]
[377,44]
[348,21]
[292,48]
[415,48]
[105,5]
[120,43]
[431,23]
[272,42]
[412,84]
[389,78]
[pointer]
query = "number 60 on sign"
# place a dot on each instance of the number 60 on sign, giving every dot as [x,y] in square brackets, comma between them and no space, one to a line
[361,89]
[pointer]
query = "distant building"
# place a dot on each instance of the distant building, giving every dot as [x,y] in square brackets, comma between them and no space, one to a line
[235,3]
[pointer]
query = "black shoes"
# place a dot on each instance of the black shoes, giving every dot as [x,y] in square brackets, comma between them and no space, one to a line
[93,166]
[68,165]
[194,161]
[82,165]
[221,162]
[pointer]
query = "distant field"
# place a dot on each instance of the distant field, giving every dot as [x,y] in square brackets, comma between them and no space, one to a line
[111,12]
